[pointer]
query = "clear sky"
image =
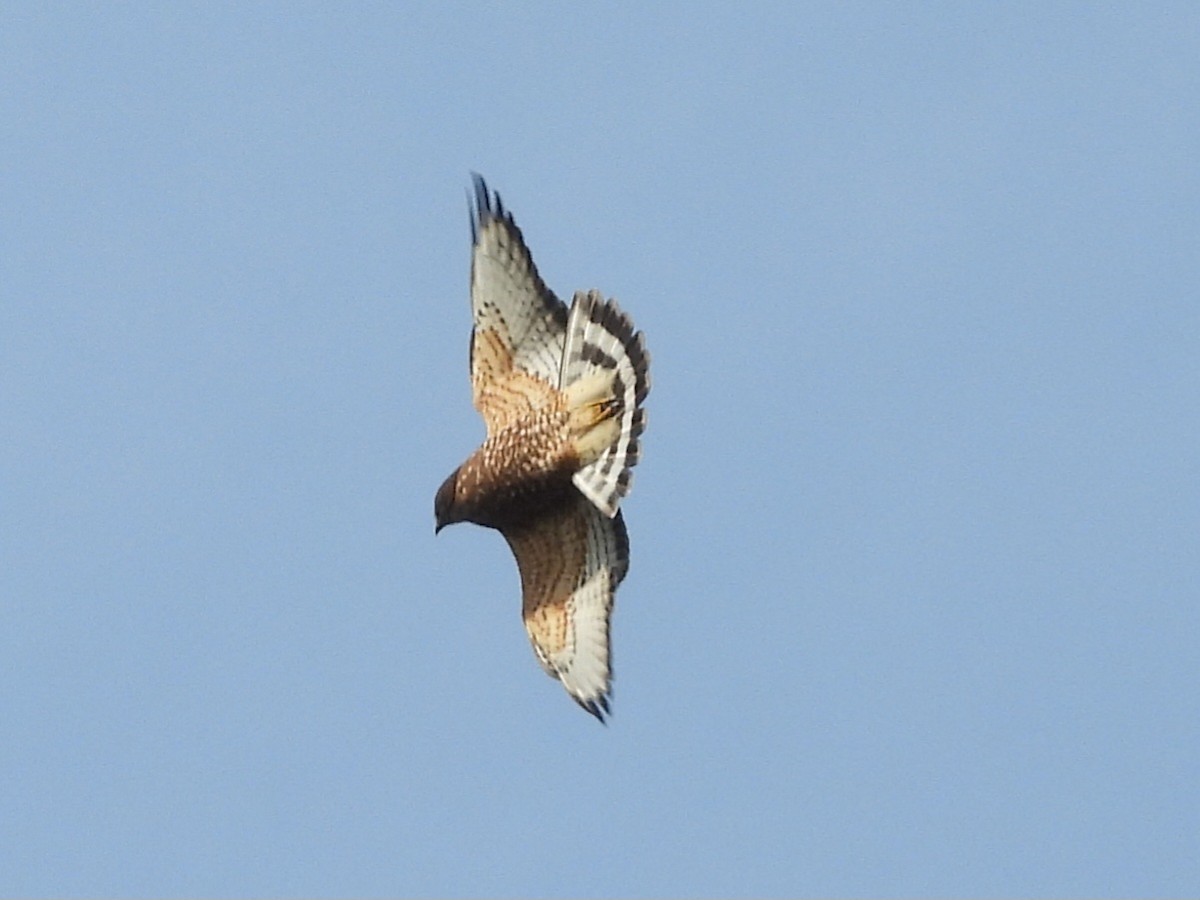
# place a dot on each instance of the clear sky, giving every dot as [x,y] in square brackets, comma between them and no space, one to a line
[913,598]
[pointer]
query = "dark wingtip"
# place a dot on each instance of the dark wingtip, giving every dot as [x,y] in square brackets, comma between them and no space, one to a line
[480,207]
[487,205]
[598,707]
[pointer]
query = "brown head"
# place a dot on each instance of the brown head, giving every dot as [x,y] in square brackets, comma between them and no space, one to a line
[445,506]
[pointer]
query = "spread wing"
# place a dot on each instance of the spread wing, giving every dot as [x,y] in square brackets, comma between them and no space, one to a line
[571,561]
[519,325]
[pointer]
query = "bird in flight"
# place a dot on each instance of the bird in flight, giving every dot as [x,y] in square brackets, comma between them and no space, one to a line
[561,393]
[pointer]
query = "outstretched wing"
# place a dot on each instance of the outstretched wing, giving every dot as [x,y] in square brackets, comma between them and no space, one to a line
[519,325]
[571,560]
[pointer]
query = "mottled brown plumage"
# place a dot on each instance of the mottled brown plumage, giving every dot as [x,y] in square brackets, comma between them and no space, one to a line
[560,392]
[517,472]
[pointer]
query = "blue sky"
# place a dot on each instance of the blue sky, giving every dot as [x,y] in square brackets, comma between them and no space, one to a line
[913,599]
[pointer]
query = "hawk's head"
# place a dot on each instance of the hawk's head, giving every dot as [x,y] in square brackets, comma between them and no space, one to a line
[445,507]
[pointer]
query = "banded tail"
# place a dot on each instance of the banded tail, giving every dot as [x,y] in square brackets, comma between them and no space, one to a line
[606,376]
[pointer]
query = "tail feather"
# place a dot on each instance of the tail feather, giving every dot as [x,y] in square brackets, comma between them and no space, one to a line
[606,362]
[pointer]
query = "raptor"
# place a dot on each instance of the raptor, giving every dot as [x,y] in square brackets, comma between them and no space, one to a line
[561,391]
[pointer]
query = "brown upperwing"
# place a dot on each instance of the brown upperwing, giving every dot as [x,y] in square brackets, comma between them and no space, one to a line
[519,324]
[571,560]
[501,392]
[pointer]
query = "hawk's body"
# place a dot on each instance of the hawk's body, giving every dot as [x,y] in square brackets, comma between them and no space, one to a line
[561,394]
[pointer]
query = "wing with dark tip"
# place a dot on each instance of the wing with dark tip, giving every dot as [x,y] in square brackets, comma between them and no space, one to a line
[571,560]
[519,325]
